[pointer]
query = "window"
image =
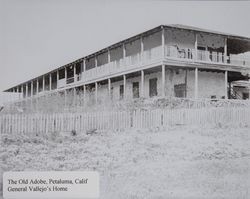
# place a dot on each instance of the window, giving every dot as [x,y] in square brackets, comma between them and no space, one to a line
[121,91]
[136,90]
[245,96]
[180,90]
[153,87]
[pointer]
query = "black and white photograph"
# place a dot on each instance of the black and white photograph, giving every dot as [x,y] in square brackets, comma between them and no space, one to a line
[151,95]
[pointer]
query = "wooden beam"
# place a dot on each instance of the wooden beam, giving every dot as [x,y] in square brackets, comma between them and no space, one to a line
[142,83]
[163,71]
[226,83]
[196,84]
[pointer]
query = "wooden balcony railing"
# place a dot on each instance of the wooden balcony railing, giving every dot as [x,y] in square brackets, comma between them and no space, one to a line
[155,54]
[173,52]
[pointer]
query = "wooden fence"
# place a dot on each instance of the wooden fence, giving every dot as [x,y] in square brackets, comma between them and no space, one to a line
[120,120]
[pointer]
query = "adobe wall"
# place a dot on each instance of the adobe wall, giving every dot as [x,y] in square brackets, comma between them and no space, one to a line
[209,84]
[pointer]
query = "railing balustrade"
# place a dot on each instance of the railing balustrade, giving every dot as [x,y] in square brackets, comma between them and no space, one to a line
[153,54]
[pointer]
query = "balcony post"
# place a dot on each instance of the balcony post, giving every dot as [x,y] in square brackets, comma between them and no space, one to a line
[84,94]
[74,69]
[27,90]
[50,81]
[66,74]
[225,51]
[142,49]
[226,82]
[163,42]
[84,65]
[57,78]
[96,92]
[124,86]
[31,88]
[95,61]
[22,90]
[109,88]
[43,83]
[196,84]
[142,83]
[37,86]
[123,50]
[196,47]
[109,58]
[163,71]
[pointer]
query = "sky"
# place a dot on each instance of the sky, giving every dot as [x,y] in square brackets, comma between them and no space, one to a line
[37,36]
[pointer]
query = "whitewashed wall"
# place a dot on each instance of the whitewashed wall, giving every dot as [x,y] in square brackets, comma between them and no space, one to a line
[209,84]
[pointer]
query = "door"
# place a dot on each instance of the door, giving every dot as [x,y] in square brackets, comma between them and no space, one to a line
[153,87]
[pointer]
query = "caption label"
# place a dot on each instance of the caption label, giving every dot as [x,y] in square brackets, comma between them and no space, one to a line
[56,184]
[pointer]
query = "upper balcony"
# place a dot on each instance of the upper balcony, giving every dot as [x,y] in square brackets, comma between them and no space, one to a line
[155,56]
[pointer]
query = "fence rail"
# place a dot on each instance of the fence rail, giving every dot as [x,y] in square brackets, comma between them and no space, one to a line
[120,120]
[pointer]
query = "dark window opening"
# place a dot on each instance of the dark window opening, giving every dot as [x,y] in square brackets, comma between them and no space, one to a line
[153,87]
[245,96]
[121,91]
[78,68]
[180,90]
[62,74]
[136,90]
[70,75]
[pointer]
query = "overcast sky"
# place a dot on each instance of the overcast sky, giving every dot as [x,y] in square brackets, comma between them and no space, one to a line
[40,35]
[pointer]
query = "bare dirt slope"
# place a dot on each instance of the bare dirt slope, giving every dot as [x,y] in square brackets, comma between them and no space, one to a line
[157,163]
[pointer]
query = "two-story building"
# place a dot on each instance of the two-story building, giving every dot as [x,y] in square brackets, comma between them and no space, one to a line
[167,61]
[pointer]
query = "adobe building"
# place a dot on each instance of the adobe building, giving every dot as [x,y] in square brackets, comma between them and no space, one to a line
[168,61]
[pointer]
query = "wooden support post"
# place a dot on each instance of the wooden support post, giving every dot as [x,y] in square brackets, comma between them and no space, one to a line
[123,50]
[226,83]
[74,71]
[65,71]
[142,83]
[84,94]
[31,88]
[43,83]
[142,49]
[109,87]
[124,87]
[37,86]
[96,92]
[57,78]
[50,81]
[27,90]
[22,90]
[196,47]
[225,51]
[109,58]
[163,42]
[95,61]
[84,65]
[196,84]
[163,71]
[74,96]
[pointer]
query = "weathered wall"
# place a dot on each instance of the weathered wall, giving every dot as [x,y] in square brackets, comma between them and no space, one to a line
[209,84]
[212,41]
[183,39]
[152,41]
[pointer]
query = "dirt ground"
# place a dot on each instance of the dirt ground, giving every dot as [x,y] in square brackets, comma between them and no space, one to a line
[177,162]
